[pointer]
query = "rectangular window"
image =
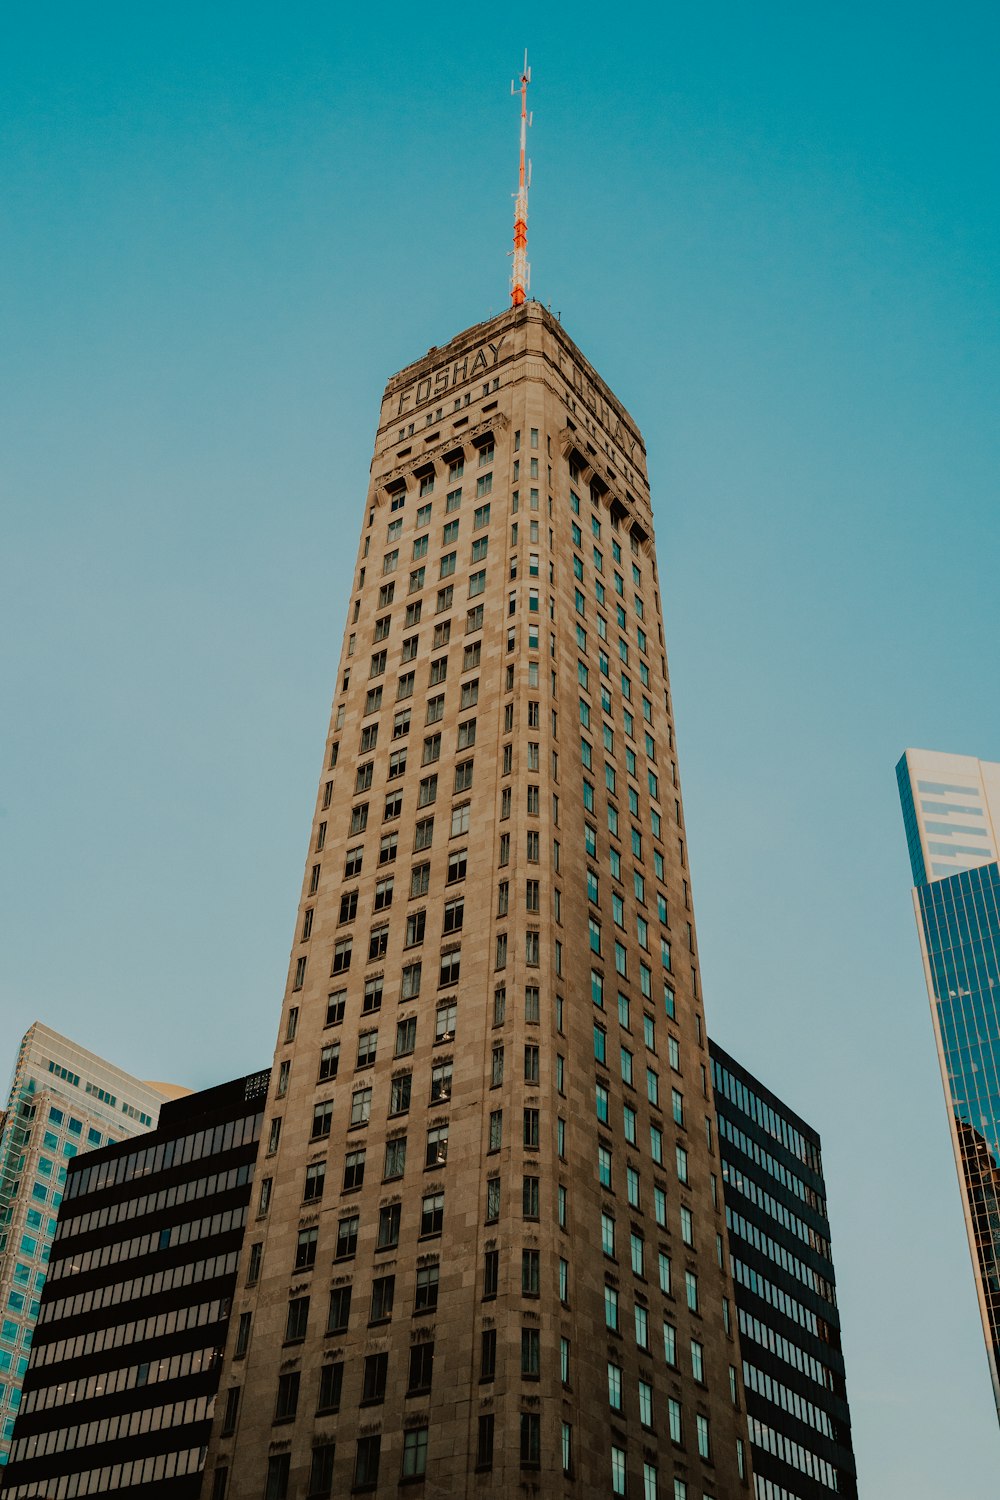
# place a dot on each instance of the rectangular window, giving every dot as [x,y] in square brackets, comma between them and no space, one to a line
[243,1334]
[441,1082]
[436,1150]
[340,1310]
[395,1158]
[451,968]
[378,943]
[278,1466]
[454,915]
[488,1354]
[387,1235]
[315,1181]
[423,834]
[347,1237]
[432,1215]
[426,1294]
[531,1440]
[427,791]
[484,1440]
[321,1471]
[406,1036]
[400,1090]
[463,776]
[331,1379]
[305,1249]
[366,1462]
[421,1372]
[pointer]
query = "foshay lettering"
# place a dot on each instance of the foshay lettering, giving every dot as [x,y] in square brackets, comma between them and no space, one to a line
[450,376]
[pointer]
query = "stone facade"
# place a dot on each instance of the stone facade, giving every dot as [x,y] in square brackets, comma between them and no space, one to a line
[489,1204]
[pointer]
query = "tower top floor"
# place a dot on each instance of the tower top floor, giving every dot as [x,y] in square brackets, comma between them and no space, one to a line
[424,404]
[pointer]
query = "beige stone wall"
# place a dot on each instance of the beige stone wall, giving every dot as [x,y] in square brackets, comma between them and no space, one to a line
[497,384]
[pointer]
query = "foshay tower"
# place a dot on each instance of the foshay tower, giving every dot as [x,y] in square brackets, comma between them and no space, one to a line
[487,1251]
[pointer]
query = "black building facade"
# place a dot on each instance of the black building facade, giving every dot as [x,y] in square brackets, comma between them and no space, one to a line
[783,1277]
[121,1388]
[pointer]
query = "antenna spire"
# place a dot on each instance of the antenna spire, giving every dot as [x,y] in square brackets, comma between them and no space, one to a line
[521,275]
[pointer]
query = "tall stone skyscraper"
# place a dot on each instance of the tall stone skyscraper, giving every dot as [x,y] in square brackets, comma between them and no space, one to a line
[488,1242]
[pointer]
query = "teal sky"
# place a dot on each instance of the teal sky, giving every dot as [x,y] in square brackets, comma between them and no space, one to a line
[773,229]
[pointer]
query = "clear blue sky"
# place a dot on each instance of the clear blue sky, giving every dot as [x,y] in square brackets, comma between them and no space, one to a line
[774,231]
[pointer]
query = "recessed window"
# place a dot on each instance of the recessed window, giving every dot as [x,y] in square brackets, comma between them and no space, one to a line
[437,1147]
[441,1075]
[361,1106]
[339,1317]
[432,1214]
[426,1292]
[400,1093]
[395,1158]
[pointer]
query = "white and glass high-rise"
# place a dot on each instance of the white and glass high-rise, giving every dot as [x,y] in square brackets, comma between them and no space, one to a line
[63,1100]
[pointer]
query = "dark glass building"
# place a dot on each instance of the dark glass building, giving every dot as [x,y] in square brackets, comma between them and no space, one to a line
[786,1305]
[121,1387]
[951,813]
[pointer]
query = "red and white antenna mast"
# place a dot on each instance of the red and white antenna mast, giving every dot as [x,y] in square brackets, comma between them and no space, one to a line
[521,275]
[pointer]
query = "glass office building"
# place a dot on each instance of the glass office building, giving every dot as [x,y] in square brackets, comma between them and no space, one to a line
[951,811]
[121,1388]
[784,1285]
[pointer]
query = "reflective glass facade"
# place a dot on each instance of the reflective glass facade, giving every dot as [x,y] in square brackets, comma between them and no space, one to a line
[960,931]
[951,815]
[786,1300]
[121,1386]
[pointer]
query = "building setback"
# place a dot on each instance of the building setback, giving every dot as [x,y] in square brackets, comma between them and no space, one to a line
[121,1388]
[63,1100]
[789,1326]
[488,1250]
[951,814]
